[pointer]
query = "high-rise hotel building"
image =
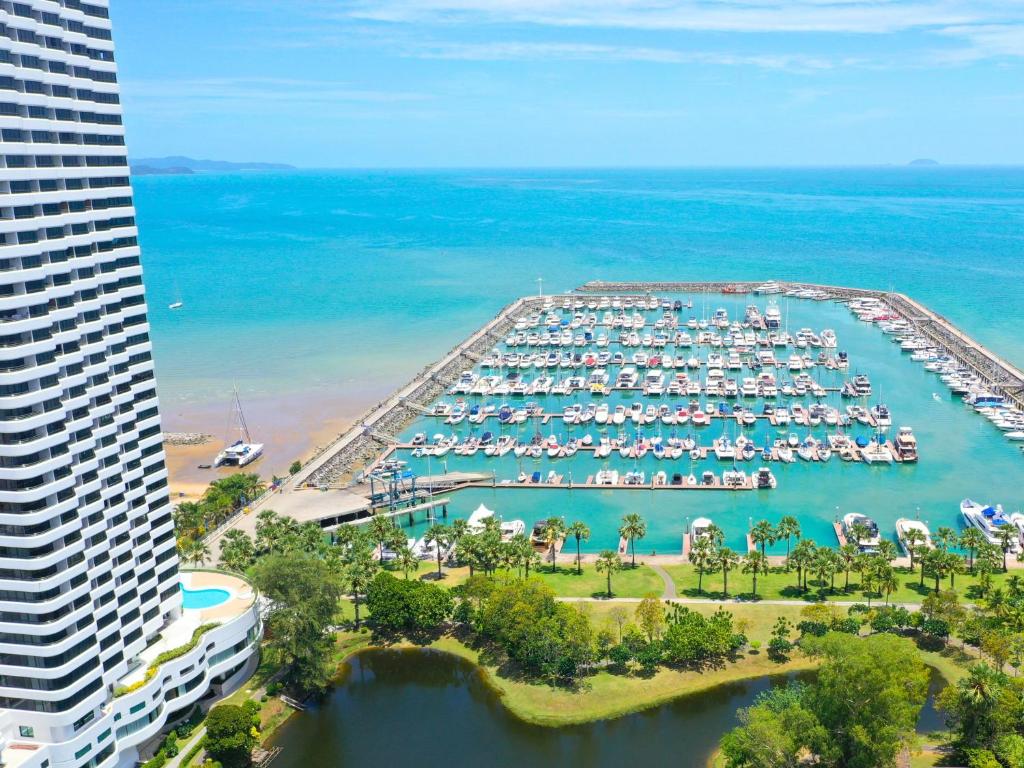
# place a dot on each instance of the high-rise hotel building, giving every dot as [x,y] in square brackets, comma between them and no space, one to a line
[100,648]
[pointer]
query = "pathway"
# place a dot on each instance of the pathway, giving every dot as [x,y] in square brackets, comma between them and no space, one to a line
[670,584]
[185,746]
[736,601]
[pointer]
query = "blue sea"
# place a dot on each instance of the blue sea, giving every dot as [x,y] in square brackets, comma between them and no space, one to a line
[319,292]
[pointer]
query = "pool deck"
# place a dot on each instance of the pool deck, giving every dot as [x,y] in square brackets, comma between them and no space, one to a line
[179,631]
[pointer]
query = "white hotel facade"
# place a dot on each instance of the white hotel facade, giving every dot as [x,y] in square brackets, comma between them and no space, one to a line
[89,576]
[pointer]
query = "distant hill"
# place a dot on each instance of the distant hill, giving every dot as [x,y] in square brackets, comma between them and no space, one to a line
[923,161]
[181,164]
[149,170]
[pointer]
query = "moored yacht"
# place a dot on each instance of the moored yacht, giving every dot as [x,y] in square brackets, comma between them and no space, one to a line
[989,520]
[903,528]
[869,538]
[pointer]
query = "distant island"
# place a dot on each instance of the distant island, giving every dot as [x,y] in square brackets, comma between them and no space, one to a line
[180,165]
[923,161]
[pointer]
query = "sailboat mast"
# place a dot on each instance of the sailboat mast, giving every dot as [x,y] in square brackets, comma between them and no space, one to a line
[243,428]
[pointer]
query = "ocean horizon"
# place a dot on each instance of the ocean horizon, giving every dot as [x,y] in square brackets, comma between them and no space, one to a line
[317,292]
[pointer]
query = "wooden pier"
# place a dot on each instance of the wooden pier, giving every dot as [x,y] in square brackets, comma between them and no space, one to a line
[838,528]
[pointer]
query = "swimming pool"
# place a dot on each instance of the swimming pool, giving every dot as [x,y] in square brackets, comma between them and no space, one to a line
[202,598]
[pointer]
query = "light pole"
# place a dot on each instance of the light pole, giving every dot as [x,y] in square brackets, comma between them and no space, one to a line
[540,287]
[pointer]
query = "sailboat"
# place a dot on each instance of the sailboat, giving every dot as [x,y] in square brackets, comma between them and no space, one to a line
[243,451]
[177,303]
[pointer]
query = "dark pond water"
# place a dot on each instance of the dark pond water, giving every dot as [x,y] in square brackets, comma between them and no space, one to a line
[434,709]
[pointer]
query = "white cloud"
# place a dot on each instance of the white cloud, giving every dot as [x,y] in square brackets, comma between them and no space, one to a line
[853,16]
[262,89]
[511,51]
[986,41]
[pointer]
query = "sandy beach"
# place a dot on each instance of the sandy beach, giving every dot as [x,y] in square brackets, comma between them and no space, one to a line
[291,428]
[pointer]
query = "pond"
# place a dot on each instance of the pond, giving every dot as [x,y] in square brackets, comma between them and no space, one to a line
[431,708]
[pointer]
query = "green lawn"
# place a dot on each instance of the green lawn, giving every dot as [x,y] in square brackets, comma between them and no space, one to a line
[780,585]
[629,582]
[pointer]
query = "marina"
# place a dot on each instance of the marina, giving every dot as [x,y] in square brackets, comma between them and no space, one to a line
[789,394]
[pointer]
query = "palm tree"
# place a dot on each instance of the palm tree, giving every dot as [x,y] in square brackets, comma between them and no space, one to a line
[802,557]
[358,574]
[955,564]
[787,528]
[382,530]
[762,534]
[725,561]
[406,559]
[887,550]
[971,540]
[755,563]
[581,532]
[195,552]
[608,562]
[457,531]
[1007,536]
[554,531]
[937,564]
[702,555]
[438,534]
[236,550]
[633,527]
[823,565]
[886,581]
[859,532]
[945,538]
[914,540]
[523,552]
[716,534]
[848,553]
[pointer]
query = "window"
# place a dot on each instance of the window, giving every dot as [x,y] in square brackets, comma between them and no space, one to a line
[26,731]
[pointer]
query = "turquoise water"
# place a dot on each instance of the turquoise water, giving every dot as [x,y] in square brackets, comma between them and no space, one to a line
[203,598]
[321,287]
[336,284]
[962,454]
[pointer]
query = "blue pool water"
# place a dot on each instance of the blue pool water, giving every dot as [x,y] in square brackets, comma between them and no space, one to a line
[203,598]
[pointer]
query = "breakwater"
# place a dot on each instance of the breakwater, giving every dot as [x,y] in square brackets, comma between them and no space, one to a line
[376,429]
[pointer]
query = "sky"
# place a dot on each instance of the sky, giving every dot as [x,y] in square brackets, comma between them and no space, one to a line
[531,83]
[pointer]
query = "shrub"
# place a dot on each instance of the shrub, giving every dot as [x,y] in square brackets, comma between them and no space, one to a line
[229,735]
[848,625]
[813,628]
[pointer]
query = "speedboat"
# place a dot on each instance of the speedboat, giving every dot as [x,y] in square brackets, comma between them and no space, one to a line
[764,478]
[511,528]
[868,542]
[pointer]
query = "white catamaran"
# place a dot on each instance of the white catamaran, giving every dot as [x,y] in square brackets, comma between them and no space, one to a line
[243,451]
